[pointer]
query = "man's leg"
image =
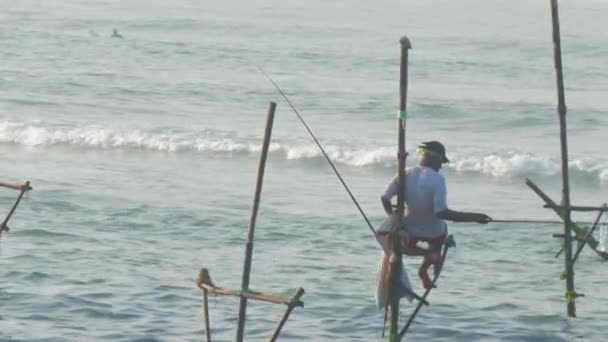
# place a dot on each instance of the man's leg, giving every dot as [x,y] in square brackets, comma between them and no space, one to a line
[435,246]
[423,272]
[410,247]
[432,256]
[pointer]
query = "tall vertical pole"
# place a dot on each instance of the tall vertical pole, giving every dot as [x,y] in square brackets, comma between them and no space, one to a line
[396,261]
[206,312]
[254,213]
[561,108]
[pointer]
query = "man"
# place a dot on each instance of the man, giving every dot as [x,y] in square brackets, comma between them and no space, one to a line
[426,208]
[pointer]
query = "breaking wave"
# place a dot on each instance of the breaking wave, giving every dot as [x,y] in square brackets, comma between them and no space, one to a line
[510,164]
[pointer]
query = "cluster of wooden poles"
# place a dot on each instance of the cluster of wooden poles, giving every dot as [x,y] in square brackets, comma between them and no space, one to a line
[582,235]
[565,209]
[206,285]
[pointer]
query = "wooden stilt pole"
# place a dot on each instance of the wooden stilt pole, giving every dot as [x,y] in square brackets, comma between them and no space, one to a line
[206,312]
[4,224]
[292,304]
[561,99]
[204,279]
[254,213]
[395,260]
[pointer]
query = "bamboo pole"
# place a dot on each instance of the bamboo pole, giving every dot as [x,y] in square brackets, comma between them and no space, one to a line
[4,224]
[254,212]
[204,279]
[206,312]
[395,260]
[290,306]
[557,53]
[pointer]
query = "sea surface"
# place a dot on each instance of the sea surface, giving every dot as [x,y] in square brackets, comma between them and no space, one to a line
[143,153]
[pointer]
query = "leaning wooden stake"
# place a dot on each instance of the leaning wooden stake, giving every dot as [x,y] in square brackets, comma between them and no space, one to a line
[397,252]
[290,306]
[4,224]
[254,213]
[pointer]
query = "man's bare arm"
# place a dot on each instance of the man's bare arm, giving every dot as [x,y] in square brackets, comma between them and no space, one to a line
[460,216]
[386,203]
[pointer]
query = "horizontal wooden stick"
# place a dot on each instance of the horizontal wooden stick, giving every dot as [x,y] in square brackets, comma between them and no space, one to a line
[577,230]
[562,236]
[204,283]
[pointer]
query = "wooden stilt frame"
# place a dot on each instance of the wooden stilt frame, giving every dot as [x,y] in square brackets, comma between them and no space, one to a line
[206,285]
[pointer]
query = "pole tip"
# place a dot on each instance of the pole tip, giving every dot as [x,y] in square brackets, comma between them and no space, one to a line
[405,43]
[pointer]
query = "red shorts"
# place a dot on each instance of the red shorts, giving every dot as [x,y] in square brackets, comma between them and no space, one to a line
[410,242]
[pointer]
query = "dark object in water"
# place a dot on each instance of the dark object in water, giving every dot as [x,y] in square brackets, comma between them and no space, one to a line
[115,34]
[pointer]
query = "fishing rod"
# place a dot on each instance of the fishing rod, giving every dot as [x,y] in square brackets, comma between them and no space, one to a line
[352,197]
[533,221]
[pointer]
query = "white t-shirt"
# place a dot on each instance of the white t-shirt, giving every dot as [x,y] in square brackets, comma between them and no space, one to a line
[425,196]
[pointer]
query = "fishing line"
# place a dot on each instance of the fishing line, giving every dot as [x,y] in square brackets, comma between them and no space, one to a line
[533,221]
[352,197]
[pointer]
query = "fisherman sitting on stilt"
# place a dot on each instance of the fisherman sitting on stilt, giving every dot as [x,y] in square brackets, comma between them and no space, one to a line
[425,198]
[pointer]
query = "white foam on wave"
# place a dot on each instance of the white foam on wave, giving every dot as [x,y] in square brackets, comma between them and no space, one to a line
[525,164]
[350,156]
[96,137]
[507,165]
[604,176]
[511,164]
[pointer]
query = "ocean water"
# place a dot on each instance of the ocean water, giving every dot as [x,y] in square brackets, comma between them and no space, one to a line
[143,154]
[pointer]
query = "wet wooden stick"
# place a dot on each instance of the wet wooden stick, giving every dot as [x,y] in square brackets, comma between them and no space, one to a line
[205,279]
[293,303]
[254,213]
[261,296]
[4,224]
